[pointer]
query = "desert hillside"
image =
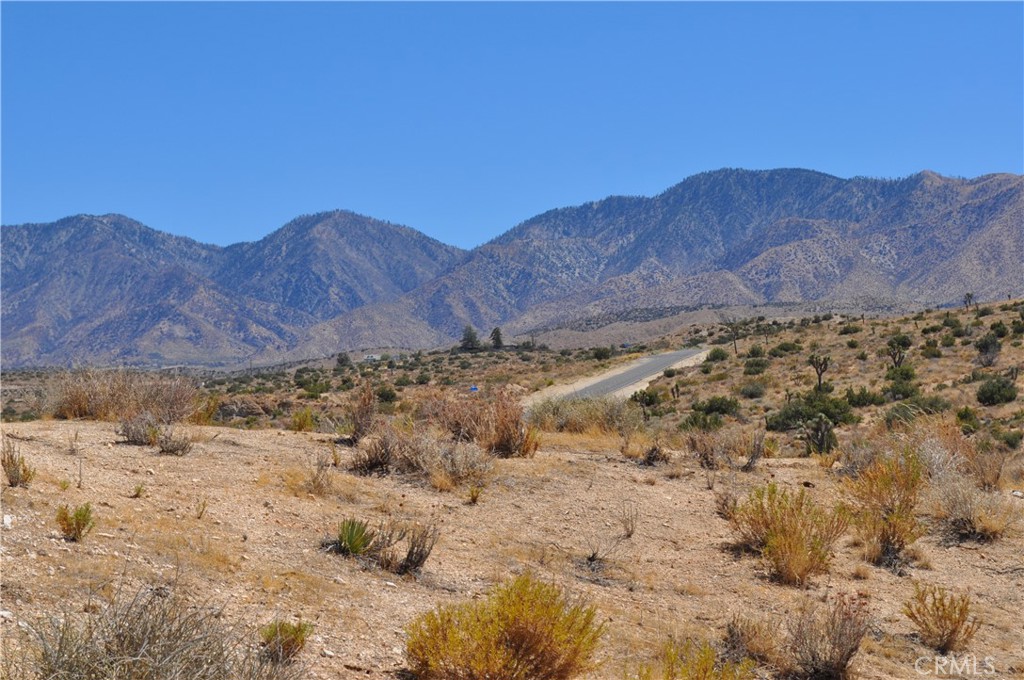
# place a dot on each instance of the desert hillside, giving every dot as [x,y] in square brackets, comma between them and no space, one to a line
[227,492]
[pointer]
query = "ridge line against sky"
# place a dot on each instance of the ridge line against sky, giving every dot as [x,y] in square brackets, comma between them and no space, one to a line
[223,121]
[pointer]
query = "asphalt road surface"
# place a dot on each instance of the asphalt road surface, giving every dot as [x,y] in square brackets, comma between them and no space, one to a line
[641,370]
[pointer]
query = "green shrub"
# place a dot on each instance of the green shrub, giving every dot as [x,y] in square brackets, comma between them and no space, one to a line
[752,390]
[784,348]
[943,620]
[75,525]
[386,394]
[716,354]
[968,420]
[354,537]
[807,407]
[523,630]
[849,329]
[995,391]
[755,352]
[700,421]
[864,397]
[283,640]
[725,406]
[755,366]
[601,353]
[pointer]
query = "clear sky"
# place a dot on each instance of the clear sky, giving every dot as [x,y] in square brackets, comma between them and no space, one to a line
[222,121]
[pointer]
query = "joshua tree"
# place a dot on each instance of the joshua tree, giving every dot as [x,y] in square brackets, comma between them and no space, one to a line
[897,348]
[820,365]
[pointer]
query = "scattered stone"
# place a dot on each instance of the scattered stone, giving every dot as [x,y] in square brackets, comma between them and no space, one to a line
[8,520]
[328,653]
[1018,494]
[6,615]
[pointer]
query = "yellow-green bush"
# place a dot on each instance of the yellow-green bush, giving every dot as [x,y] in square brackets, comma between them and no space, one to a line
[282,640]
[689,660]
[885,495]
[524,630]
[794,535]
[943,619]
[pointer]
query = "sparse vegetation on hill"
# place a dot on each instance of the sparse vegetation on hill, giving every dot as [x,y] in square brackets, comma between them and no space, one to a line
[436,503]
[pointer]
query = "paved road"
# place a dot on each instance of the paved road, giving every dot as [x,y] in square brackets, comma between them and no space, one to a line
[641,370]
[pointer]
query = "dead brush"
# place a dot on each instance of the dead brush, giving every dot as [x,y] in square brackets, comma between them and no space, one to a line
[16,468]
[755,452]
[942,618]
[460,418]
[586,415]
[319,481]
[986,462]
[142,429]
[822,644]
[420,540]
[363,413]
[707,449]
[445,464]
[968,513]
[747,638]
[379,455]
[504,432]
[119,394]
[172,445]
[153,634]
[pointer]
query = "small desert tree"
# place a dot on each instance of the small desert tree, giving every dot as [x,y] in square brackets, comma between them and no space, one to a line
[496,340]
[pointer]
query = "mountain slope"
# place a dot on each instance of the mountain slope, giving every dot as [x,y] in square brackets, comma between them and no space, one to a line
[724,237]
[108,289]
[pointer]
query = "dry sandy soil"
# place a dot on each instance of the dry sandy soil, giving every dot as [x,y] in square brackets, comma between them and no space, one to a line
[255,549]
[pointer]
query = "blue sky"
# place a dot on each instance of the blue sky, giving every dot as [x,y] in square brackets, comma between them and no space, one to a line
[222,121]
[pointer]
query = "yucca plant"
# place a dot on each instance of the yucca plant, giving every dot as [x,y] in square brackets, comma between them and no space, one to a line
[355,537]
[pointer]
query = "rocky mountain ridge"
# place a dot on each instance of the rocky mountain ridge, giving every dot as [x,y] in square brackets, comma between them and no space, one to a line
[110,290]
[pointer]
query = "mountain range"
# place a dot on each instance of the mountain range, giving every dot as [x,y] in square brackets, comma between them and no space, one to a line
[109,290]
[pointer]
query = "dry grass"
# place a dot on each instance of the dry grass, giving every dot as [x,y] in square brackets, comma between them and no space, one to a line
[586,415]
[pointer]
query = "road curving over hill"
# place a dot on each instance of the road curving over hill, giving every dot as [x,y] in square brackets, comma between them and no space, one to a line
[622,381]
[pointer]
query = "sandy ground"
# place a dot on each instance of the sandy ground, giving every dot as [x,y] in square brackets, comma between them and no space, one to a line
[254,548]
